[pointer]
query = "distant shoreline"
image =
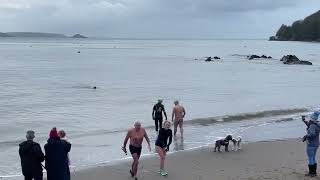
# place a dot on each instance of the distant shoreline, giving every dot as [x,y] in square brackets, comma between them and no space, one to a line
[38,35]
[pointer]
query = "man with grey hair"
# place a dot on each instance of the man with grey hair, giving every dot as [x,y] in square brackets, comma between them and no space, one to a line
[178,113]
[31,157]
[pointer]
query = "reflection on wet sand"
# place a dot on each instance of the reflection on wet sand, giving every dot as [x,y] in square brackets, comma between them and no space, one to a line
[178,144]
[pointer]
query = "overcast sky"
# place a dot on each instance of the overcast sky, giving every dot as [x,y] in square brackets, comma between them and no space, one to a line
[154,18]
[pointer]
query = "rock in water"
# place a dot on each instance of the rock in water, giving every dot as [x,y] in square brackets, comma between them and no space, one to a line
[292,59]
[254,57]
[79,36]
[208,59]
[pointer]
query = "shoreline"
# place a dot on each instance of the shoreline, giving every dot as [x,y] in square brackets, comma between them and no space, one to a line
[276,159]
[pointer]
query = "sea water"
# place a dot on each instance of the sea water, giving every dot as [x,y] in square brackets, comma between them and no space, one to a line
[47,83]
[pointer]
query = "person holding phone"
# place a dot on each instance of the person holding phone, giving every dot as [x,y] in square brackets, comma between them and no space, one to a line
[312,142]
[162,144]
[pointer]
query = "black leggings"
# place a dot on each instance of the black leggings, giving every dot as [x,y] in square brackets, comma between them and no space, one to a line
[158,123]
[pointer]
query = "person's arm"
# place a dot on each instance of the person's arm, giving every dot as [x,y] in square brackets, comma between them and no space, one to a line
[164,112]
[21,152]
[311,132]
[153,110]
[173,112]
[39,153]
[304,120]
[124,147]
[126,139]
[170,140]
[68,146]
[147,139]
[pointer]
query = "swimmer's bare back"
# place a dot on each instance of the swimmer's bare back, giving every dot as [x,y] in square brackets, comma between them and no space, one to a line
[178,113]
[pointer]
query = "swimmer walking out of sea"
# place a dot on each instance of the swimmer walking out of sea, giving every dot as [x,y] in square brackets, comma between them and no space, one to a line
[157,114]
[162,144]
[178,113]
[136,136]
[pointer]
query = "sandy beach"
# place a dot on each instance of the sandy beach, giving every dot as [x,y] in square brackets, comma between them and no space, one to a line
[285,160]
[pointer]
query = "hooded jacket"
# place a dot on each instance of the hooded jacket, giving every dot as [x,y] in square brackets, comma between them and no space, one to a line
[313,134]
[57,162]
[31,157]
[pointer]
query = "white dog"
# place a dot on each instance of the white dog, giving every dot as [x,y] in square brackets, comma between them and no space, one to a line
[237,143]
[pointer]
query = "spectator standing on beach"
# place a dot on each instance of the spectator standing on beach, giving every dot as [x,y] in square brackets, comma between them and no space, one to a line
[62,134]
[56,158]
[178,113]
[157,111]
[163,143]
[312,139]
[31,157]
[136,136]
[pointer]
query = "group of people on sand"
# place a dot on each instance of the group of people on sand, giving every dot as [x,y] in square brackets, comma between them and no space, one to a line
[56,157]
[137,134]
[57,147]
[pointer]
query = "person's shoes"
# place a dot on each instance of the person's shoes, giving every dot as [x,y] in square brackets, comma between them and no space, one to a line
[163,172]
[135,178]
[132,174]
[312,171]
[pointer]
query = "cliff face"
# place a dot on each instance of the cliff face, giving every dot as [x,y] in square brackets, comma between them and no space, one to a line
[305,30]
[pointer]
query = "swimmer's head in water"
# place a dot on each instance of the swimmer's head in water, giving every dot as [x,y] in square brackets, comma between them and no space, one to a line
[137,125]
[159,101]
[95,87]
[166,124]
[176,102]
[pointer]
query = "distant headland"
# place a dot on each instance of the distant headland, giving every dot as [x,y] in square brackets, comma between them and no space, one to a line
[302,30]
[39,34]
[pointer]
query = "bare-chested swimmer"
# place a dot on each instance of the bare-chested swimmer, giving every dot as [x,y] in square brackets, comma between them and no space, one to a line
[136,136]
[178,114]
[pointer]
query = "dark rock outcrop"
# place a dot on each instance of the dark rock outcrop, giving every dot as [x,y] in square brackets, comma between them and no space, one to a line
[79,36]
[292,59]
[216,57]
[302,30]
[251,57]
[208,59]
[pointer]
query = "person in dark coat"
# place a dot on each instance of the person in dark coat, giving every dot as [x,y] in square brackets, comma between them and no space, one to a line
[31,157]
[57,163]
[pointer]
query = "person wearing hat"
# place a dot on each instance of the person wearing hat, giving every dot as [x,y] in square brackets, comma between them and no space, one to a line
[31,157]
[157,111]
[57,162]
[312,139]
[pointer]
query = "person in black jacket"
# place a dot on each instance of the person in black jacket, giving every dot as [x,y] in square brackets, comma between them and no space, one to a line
[163,143]
[157,114]
[57,163]
[31,157]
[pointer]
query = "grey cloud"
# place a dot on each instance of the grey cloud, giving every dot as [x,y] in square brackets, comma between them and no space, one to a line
[146,17]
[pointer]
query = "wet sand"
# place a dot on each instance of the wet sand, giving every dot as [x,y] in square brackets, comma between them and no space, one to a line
[278,160]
